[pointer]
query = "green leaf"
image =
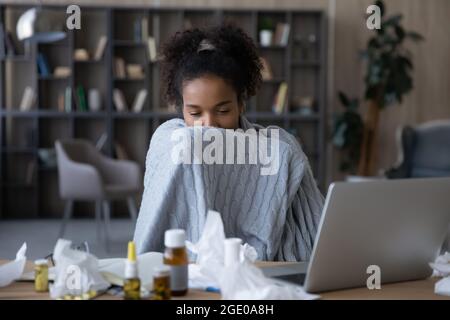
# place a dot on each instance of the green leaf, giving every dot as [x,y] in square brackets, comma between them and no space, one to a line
[392,21]
[400,33]
[414,36]
[344,99]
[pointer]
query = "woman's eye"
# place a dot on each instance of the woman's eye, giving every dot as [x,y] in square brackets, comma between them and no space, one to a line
[195,114]
[223,111]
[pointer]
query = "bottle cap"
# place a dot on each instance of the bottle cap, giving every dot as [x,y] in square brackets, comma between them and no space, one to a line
[174,238]
[131,251]
[41,262]
[232,248]
[161,271]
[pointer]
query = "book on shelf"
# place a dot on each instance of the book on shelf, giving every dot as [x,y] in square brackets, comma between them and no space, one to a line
[151,46]
[2,40]
[101,141]
[280,98]
[266,70]
[61,102]
[121,154]
[81,98]
[139,100]
[135,71]
[100,50]
[144,29]
[137,30]
[119,67]
[31,168]
[28,99]
[9,43]
[43,66]
[68,99]
[119,100]
[281,34]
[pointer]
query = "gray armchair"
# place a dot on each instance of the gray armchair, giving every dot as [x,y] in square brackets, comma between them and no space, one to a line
[85,174]
[424,151]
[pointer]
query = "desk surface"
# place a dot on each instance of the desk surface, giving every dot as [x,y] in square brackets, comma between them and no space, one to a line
[420,290]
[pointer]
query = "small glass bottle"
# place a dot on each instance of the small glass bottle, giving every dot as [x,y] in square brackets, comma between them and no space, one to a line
[161,283]
[132,283]
[175,256]
[41,275]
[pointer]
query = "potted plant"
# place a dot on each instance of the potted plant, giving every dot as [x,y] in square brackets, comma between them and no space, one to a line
[266,32]
[387,79]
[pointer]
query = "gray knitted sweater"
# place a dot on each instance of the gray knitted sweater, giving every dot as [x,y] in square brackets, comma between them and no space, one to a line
[277,214]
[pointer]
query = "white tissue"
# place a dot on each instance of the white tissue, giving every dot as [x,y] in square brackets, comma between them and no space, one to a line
[13,270]
[238,281]
[76,272]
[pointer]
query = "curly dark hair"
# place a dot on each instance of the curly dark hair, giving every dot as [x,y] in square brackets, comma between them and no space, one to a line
[234,59]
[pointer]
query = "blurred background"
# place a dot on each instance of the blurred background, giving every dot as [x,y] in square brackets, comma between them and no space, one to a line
[80,97]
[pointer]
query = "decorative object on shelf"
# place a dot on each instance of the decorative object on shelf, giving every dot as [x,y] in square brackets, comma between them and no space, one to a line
[62,72]
[135,71]
[280,98]
[39,25]
[266,70]
[47,157]
[307,46]
[281,34]
[388,78]
[139,100]
[43,65]
[94,100]
[265,32]
[303,105]
[119,100]
[100,50]
[81,54]
[28,99]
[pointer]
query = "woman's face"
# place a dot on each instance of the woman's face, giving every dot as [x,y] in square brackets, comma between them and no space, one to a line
[210,101]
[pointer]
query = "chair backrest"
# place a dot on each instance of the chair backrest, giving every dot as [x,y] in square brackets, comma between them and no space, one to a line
[68,151]
[430,156]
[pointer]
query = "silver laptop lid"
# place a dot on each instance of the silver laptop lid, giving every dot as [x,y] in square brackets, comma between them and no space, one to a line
[398,225]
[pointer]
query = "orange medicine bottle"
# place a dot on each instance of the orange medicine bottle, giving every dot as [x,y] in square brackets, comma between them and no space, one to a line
[175,256]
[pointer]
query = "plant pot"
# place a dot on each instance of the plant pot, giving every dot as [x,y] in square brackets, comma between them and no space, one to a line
[265,37]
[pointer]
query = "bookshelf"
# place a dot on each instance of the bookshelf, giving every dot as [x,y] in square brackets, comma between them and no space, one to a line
[29,188]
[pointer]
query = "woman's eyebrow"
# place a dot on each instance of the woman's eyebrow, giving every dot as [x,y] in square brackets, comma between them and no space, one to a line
[222,103]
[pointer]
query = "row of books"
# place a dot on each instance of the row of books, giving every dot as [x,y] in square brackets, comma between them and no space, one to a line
[76,95]
[121,104]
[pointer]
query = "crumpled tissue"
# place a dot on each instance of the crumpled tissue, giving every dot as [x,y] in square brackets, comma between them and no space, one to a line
[241,280]
[13,270]
[441,268]
[76,272]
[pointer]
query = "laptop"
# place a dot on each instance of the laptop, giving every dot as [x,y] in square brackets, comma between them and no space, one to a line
[397,225]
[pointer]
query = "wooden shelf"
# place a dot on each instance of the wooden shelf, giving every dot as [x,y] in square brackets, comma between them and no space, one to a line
[44,123]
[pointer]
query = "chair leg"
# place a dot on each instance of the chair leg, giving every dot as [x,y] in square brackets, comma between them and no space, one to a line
[107,216]
[98,218]
[67,215]
[132,208]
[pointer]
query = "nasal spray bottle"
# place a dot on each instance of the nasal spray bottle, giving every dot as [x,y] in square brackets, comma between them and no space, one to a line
[132,284]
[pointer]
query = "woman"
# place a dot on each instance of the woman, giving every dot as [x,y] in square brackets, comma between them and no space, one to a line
[208,75]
